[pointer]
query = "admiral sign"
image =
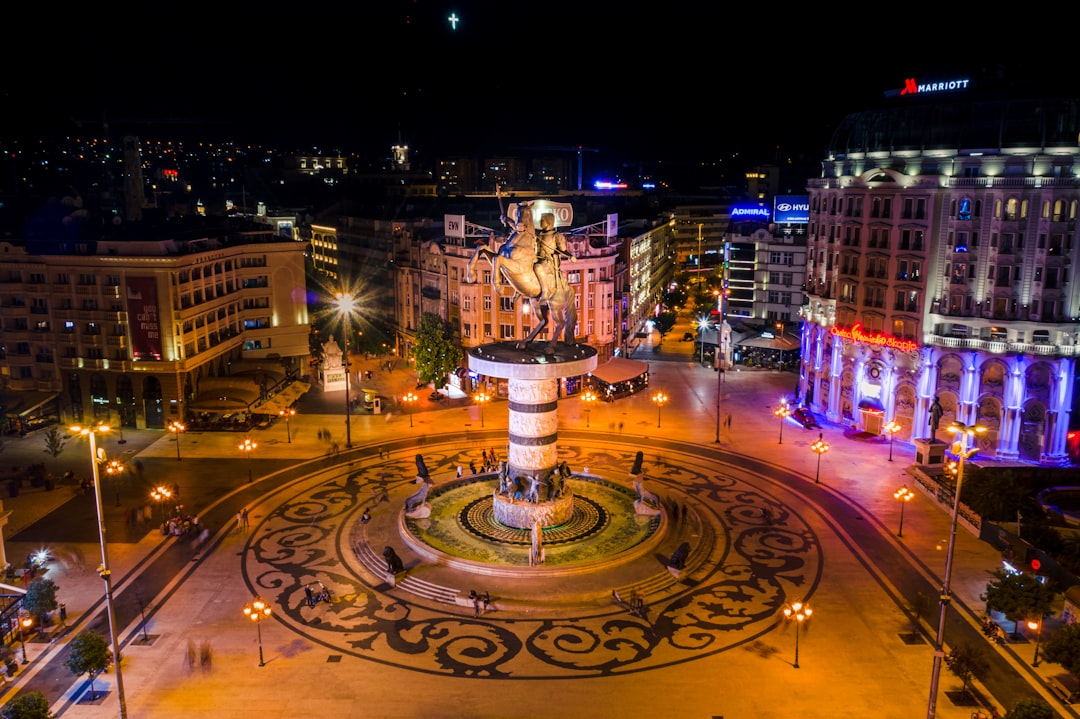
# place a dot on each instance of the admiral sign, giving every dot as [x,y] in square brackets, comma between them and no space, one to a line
[792,210]
[749,212]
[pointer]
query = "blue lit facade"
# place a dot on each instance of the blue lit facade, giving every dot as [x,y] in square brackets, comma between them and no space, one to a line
[941,247]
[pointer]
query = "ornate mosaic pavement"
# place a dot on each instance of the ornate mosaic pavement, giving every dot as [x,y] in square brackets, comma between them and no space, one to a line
[756,553]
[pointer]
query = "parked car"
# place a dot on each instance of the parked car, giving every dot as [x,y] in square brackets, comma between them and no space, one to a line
[688,337]
[806,418]
[436,396]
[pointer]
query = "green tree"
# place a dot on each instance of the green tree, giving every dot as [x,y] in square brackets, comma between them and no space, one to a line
[88,654]
[54,442]
[1063,647]
[435,353]
[996,495]
[1035,708]
[31,705]
[1017,596]
[967,662]
[663,323]
[40,599]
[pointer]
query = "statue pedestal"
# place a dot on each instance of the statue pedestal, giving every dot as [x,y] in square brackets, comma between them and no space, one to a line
[929,451]
[532,375]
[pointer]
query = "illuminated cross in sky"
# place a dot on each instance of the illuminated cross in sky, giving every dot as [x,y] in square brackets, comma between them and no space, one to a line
[454,20]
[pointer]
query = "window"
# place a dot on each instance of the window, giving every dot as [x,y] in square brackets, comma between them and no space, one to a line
[466,329]
[964,211]
[487,305]
[86,279]
[506,332]
[466,303]
[487,329]
[506,304]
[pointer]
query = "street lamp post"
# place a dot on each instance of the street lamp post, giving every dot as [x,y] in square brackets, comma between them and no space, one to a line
[718,355]
[481,398]
[797,612]
[903,496]
[103,571]
[409,399]
[819,447]
[247,447]
[346,304]
[257,611]
[1037,627]
[892,427]
[114,468]
[702,325]
[588,398]
[783,412]
[176,428]
[159,494]
[964,433]
[287,414]
[660,398]
[25,622]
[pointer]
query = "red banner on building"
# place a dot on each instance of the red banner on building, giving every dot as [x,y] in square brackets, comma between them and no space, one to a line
[143,318]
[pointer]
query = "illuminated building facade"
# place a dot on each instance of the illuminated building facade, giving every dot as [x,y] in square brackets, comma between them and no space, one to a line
[126,331]
[941,243]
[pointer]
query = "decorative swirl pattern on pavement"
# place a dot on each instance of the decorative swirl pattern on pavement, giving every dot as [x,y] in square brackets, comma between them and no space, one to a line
[764,555]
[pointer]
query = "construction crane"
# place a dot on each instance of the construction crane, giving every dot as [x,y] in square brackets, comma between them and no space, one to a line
[560,148]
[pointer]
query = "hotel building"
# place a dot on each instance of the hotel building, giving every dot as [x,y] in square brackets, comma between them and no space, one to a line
[941,246]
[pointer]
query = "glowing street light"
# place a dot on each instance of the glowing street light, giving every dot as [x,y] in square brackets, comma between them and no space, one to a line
[891,428]
[103,571]
[797,612]
[1033,625]
[346,305]
[819,447]
[247,447]
[287,414]
[588,398]
[409,399]
[661,399]
[257,611]
[964,433]
[25,622]
[114,468]
[481,398]
[160,495]
[903,496]
[783,412]
[702,325]
[176,428]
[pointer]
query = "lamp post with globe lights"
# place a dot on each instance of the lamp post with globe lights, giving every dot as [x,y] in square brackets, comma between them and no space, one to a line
[160,495]
[588,398]
[247,447]
[481,398]
[661,399]
[819,447]
[409,399]
[176,428]
[783,412]
[891,428]
[103,571]
[287,414]
[903,496]
[257,611]
[964,433]
[1036,626]
[114,468]
[797,612]
[25,622]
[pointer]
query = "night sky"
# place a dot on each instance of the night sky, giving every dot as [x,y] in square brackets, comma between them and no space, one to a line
[678,82]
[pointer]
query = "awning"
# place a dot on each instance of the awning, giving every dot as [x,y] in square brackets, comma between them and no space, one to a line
[620,369]
[225,394]
[783,343]
[284,399]
[20,404]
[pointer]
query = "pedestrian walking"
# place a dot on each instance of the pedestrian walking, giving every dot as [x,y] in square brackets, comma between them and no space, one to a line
[244,518]
[486,601]
[459,471]
[475,602]
[484,452]
[620,427]
[240,521]
[381,451]
[472,467]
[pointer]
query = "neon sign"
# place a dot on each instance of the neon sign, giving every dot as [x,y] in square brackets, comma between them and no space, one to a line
[749,211]
[914,87]
[856,334]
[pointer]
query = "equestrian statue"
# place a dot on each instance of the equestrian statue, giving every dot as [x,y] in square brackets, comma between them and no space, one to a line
[530,261]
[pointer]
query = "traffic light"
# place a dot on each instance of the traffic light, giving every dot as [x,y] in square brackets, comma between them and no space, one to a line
[1031,559]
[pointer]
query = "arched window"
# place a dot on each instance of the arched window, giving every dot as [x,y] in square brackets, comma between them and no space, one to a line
[1023,209]
[1011,207]
[1059,211]
[997,209]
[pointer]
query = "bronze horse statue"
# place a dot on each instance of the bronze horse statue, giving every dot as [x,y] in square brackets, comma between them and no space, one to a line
[533,277]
